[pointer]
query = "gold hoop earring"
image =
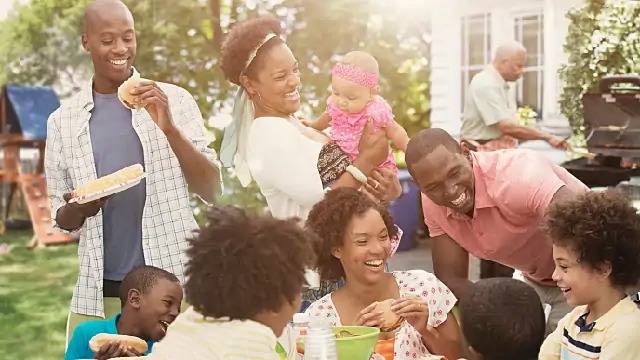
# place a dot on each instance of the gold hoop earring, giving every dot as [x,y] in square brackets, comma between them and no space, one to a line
[255,96]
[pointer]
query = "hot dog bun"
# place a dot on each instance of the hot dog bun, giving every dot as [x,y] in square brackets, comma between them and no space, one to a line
[124,92]
[391,320]
[99,340]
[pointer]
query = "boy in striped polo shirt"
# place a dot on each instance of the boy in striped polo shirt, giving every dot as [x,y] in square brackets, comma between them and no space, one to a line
[245,277]
[596,248]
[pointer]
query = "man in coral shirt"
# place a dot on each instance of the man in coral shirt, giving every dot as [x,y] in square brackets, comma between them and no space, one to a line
[489,204]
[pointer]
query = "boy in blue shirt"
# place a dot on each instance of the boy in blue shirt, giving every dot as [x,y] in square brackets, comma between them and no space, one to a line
[150,300]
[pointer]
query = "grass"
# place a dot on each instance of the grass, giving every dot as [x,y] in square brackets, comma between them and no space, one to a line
[35,293]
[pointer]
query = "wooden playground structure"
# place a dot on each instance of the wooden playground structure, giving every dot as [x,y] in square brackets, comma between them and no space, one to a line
[23,119]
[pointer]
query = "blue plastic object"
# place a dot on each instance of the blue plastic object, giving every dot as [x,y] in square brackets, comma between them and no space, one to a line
[29,108]
[406,210]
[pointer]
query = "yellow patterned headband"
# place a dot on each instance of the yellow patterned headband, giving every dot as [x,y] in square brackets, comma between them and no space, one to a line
[254,52]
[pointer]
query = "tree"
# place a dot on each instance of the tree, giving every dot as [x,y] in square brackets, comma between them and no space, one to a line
[40,45]
[179,42]
[333,29]
[602,40]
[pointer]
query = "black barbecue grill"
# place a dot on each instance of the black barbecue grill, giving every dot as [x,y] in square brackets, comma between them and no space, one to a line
[612,117]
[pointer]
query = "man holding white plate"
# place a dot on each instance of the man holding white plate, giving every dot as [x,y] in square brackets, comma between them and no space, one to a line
[93,134]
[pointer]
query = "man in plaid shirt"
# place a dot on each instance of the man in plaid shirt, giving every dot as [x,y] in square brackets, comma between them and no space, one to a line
[92,134]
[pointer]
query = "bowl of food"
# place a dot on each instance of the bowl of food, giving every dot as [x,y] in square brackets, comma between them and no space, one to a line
[355,342]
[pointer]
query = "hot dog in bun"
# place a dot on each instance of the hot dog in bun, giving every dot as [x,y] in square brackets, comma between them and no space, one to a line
[99,340]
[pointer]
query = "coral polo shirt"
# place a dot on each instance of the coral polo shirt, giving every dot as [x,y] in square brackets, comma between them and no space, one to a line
[513,189]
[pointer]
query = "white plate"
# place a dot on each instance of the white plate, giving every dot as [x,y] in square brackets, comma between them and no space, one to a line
[110,191]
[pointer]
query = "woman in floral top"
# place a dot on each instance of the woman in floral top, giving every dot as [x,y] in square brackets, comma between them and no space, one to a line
[355,246]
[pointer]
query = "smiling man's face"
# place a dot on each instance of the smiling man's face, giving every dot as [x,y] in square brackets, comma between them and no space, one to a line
[111,40]
[446,177]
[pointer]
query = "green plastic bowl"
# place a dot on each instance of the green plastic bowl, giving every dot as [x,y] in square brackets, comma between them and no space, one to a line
[359,347]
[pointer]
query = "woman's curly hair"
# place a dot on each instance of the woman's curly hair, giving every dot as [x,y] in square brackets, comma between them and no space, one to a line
[329,220]
[241,265]
[600,227]
[241,40]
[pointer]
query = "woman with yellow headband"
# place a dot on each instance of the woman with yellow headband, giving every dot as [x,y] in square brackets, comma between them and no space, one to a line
[293,165]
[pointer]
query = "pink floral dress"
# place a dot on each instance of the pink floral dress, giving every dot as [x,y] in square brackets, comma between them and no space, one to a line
[347,129]
[408,343]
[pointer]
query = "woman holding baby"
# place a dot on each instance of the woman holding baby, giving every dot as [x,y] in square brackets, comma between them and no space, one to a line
[293,164]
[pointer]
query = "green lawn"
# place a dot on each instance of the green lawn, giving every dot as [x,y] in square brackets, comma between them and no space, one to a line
[35,292]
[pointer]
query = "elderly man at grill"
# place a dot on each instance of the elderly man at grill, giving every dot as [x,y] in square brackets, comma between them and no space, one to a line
[489,117]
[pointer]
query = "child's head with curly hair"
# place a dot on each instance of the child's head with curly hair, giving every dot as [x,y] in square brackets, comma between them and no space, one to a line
[355,235]
[502,319]
[248,267]
[596,246]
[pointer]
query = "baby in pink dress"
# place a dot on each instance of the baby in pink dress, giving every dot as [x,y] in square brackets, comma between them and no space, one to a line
[355,99]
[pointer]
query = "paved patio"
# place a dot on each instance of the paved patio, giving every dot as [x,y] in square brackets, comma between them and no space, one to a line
[419,257]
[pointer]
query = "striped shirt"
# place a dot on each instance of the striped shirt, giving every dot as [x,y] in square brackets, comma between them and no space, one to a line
[192,336]
[613,336]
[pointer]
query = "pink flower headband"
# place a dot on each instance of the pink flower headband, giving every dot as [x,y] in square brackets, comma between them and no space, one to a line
[356,75]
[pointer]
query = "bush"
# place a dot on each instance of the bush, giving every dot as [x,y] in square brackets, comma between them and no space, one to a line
[602,40]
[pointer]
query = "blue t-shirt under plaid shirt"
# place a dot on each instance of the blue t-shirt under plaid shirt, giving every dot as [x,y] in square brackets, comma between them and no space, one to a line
[79,345]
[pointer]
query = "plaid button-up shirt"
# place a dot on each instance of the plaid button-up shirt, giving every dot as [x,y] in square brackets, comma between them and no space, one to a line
[167,219]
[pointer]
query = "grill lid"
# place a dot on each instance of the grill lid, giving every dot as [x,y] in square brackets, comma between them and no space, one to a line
[613,116]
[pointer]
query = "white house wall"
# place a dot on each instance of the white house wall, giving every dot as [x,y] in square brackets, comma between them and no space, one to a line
[445,66]
[446,51]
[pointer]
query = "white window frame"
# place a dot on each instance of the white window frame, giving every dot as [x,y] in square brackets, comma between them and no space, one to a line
[538,68]
[465,68]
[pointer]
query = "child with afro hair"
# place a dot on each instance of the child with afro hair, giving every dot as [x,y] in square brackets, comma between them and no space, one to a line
[596,248]
[245,277]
